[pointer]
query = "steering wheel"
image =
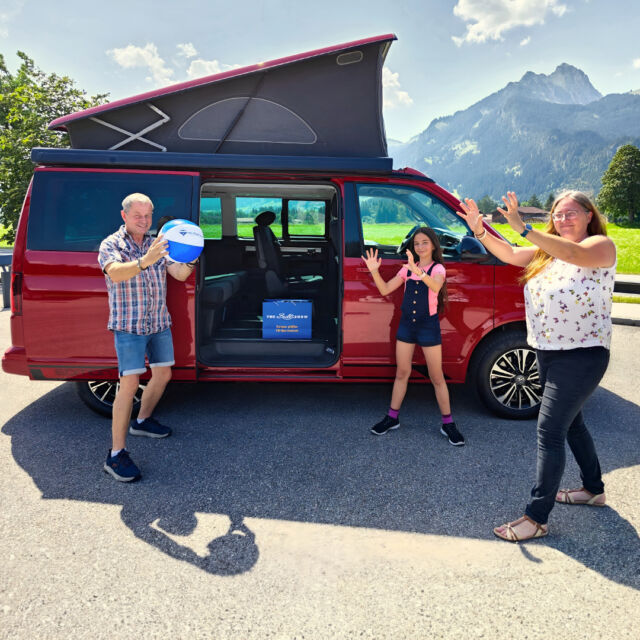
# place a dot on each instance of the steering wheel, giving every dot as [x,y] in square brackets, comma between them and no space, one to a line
[404,245]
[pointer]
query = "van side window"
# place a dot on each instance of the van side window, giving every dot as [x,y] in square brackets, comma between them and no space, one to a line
[75,210]
[389,212]
[211,218]
[247,208]
[306,218]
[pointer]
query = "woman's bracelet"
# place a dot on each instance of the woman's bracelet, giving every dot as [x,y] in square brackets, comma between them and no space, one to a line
[482,235]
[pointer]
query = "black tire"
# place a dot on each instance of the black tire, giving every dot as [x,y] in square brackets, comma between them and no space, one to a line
[506,375]
[98,395]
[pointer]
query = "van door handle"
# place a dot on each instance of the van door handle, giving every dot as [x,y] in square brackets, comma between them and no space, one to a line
[362,270]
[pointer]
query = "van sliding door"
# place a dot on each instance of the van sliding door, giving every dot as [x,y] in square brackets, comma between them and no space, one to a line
[65,304]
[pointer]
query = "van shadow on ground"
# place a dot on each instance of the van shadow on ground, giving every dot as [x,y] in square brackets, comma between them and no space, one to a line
[304,453]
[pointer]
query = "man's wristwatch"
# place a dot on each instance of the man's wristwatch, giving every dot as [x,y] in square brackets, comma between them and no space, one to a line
[527,228]
[140,265]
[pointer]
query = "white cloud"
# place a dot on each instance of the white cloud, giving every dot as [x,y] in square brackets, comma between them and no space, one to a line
[187,50]
[146,57]
[525,41]
[636,63]
[10,9]
[393,95]
[163,73]
[490,19]
[200,68]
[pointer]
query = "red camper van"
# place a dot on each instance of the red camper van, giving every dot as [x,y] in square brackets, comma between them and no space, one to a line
[284,166]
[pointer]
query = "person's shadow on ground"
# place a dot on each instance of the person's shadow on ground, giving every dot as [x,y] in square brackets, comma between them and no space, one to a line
[231,553]
[304,453]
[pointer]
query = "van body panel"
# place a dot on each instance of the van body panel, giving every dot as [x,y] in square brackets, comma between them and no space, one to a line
[66,312]
[63,325]
[370,321]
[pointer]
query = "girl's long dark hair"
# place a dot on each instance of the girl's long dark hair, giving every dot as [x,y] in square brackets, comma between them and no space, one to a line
[436,256]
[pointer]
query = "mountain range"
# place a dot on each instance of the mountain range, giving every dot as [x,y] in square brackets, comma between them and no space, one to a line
[542,134]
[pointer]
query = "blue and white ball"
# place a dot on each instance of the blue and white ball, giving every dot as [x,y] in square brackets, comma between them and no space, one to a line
[185,240]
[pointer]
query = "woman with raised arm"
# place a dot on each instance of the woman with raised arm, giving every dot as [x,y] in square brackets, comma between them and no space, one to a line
[569,277]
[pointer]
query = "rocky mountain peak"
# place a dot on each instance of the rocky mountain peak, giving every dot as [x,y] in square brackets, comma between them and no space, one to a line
[566,85]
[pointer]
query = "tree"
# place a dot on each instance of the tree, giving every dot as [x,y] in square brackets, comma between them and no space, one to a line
[29,100]
[535,202]
[620,194]
[549,202]
[486,204]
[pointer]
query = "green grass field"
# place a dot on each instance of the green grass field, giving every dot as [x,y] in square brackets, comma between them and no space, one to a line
[629,299]
[246,230]
[627,242]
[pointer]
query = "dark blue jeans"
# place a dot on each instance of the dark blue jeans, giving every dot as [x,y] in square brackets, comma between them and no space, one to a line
[568,378]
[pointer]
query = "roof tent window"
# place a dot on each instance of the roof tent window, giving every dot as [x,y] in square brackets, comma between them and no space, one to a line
[262,121]
[349,58]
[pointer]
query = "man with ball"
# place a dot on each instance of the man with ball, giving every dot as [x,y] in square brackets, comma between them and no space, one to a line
[135,267]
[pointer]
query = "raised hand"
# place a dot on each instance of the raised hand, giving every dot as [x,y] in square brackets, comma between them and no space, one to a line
[158,249]
[472,215]
[411,263]
[372,261]
[511,214]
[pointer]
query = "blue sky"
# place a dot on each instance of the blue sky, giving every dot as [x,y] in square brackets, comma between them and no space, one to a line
[449,54]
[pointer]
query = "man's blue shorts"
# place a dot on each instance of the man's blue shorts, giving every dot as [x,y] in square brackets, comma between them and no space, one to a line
[425,332]
[131,349]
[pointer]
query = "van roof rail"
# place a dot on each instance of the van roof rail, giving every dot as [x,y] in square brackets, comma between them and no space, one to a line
[198,161]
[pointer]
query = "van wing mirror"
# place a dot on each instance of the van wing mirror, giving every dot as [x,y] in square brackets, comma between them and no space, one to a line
[471,249]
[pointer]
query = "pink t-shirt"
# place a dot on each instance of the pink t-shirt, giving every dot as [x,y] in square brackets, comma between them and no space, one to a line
[405,274]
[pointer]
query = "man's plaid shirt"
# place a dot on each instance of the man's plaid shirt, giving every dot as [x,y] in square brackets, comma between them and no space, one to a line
[137,305]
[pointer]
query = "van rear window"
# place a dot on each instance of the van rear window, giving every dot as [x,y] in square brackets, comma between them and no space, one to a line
[76,210]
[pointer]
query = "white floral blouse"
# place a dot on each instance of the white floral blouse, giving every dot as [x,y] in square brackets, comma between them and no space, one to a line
[569,307]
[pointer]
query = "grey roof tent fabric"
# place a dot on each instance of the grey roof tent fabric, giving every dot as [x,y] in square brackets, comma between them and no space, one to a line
[326,102]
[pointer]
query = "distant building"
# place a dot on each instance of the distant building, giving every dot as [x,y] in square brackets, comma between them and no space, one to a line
[528,214]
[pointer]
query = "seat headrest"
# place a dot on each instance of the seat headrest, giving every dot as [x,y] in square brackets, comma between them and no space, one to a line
[265,218]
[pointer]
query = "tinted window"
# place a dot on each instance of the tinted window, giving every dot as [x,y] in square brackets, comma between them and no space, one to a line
[247,209]
[211,218]
[306,217]
[75,211]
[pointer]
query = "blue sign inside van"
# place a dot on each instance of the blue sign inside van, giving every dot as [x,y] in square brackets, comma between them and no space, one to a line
[286,319]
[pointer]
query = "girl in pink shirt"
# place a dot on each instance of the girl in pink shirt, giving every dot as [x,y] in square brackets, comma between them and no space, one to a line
[425,295]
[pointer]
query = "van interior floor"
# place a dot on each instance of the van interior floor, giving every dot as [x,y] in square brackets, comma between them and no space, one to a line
[239,342]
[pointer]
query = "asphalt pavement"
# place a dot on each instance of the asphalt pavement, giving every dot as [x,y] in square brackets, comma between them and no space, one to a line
[272,512]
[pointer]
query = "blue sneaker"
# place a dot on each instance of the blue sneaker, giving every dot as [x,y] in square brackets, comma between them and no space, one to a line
[121,467]
[150,428]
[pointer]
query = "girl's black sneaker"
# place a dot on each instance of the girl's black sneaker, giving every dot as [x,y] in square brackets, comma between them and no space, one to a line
[451,431]
[386,424]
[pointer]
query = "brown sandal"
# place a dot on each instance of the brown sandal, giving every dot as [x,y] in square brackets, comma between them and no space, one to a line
[564,497]
[510,535]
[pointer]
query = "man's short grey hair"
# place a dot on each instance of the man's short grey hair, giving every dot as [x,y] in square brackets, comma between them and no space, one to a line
[135,197]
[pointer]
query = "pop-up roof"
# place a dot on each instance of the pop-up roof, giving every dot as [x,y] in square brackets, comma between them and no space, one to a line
[326,102]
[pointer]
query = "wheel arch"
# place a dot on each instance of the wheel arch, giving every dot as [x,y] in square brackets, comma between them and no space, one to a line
[517,326]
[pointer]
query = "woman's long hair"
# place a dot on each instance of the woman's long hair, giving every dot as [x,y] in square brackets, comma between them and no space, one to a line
[436,256]
[596,227]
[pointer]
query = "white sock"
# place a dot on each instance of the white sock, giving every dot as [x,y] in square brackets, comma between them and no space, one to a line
[116,452]
[139,421]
